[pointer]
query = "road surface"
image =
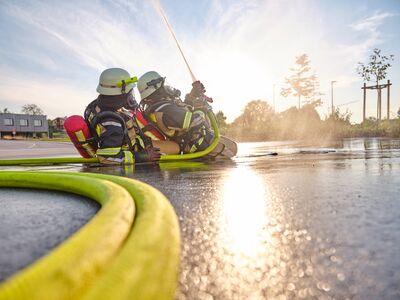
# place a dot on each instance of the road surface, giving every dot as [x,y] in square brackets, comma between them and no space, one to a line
[312,222]
[32,148]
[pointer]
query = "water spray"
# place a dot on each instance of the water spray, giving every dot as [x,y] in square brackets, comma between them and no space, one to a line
[161,11]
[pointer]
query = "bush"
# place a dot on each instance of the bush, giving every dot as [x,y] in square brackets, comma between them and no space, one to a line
[259,123]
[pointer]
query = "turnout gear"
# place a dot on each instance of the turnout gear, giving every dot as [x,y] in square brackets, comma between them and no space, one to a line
[115,81]
[113,123]
[178,121]
[116,132]
[148,128]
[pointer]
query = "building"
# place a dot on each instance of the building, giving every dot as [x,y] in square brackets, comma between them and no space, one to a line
[58,124]
[23,125]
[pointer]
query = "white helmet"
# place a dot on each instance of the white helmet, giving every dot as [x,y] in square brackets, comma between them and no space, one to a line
[148,83]
[115,81]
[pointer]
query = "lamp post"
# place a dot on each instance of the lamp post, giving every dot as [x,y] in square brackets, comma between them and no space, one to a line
[332,82]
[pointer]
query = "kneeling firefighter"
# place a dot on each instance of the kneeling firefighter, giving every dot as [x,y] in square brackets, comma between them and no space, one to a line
[112,122]
[182,122]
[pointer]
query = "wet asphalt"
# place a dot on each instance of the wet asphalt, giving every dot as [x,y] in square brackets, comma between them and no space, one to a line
[35,148]
[35,222]
[311,223]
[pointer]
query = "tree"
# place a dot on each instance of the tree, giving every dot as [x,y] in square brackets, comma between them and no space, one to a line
[255,122]
[376,69]
[301,83]
[31,109]
[256,113]
[340,117]
[221,120]
[6,111]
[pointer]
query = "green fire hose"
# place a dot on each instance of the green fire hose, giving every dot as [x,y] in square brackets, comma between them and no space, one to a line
[110,257]
[206,151]
[81,160]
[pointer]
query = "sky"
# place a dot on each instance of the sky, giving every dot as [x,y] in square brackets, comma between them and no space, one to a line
[52,52]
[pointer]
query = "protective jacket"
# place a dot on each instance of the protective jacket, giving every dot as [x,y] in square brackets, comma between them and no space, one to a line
[179,122]
[115,129]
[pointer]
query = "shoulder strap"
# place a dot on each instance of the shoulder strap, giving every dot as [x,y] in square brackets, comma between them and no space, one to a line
[90,111]
[108,115]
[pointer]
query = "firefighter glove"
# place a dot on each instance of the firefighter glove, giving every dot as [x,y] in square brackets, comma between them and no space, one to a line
[198,89]
[148,155]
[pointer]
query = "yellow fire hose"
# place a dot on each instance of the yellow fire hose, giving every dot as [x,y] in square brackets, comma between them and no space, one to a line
[81,160]
[107,258]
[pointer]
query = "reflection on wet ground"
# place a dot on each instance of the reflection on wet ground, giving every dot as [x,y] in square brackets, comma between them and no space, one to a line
[272,235]
[310,223]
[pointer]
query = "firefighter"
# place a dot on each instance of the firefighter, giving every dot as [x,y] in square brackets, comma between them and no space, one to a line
[112,122]
[182,122]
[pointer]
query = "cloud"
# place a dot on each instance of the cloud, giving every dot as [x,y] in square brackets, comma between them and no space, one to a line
[368,27]
[86,39]
[89,33]
[239,49]
[55,97]
[371,23]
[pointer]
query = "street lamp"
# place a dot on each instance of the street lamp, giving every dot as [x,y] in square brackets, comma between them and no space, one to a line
[332,82]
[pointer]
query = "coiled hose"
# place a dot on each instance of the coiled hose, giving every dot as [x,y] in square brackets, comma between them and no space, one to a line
[114,256]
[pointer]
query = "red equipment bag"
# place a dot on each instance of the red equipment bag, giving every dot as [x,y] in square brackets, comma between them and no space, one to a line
[148,129]
[79,133]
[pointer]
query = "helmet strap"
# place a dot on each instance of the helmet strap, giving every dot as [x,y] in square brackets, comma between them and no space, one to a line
[123,86]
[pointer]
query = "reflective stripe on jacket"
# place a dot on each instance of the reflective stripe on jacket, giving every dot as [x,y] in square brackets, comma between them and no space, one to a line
[116,135]
[188,128]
